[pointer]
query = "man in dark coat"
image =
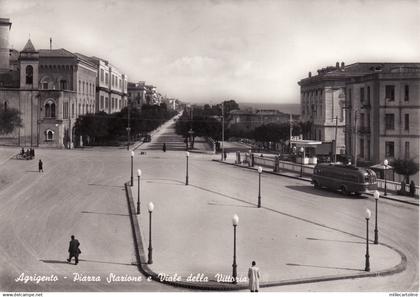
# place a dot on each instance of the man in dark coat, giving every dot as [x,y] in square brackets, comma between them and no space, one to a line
[74,250]
[40,167]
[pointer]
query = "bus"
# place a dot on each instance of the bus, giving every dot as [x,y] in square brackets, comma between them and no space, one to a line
[345,178]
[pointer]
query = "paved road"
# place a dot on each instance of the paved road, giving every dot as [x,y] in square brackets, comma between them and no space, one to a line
[81,193]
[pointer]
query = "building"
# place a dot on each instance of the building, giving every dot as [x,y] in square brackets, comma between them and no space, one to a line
[322,100]
[112,86]
[137,94]
[379,104]
[249,119]
[50,88]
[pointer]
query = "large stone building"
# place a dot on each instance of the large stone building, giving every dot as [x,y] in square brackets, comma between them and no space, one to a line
[137,94]
[377,106]
[249,119]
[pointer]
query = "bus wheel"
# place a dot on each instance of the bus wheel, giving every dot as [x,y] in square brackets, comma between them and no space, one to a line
[316,185]
[344,190]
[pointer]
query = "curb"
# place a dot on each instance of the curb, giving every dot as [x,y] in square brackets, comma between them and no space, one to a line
[309,180]
[221,286]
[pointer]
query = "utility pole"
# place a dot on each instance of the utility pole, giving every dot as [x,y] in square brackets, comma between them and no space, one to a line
[128,127]
[355,138]
[223,129]
[335,139]
[290,132]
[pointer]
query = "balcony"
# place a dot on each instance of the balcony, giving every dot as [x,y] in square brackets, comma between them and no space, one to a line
[364,130]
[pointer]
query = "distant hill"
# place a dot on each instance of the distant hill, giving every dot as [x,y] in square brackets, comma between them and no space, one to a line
[293,108]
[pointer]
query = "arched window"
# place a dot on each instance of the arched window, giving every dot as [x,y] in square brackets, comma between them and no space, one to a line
[49,135]
[5,106]
[29,75]
[50,109]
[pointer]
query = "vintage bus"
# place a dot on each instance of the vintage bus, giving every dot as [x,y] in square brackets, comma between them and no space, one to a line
[345,178]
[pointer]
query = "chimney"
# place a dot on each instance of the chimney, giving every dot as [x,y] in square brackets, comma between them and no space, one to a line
[310,74]
[342,65]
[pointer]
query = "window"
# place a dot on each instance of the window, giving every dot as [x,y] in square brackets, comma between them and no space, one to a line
[102,102]
[362,148]
[50,109]
[106,78]
[29,75]
[106,102]
[72,110]
[362,95]
[45,85]
[5,106]
[368,150]
[65,110]
[390,93]
[63,84]
[389,149]
[362,120]
[368,96]
[407,122]
[112,103]
[102,75]
[389,121]
[406,92]
[80,86]
[49,135]
[83,89]
[407,150]
[368,120]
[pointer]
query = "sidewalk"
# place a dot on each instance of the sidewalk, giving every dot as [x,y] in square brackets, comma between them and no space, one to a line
[390,196]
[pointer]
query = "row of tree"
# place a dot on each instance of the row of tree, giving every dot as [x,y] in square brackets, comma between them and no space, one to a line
[109,129]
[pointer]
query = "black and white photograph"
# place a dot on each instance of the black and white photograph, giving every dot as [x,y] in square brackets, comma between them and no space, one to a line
[209,146]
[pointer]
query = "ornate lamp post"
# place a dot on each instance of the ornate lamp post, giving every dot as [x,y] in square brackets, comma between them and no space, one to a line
[385,168]
[259,185]
[132,156]
[302,151]
[367,263]
[151,207]
[376,196]
[235,221]
[138,190]
[187,154]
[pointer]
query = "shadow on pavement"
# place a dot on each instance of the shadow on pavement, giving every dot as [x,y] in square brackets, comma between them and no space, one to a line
[164,181]
[105,213]
[106,262]
[55,262]
[230,205]
[32,171]
[323,192]
[326,267]
[335,240]
[223,195]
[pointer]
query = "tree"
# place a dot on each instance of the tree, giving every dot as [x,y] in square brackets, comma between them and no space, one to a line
[9,120]
[405,167]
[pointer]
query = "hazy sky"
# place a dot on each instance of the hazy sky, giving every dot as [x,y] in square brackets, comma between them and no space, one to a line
[199,50]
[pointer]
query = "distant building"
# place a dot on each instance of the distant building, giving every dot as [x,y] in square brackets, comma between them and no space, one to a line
[137,94]
[249,119]
[377,106]
[112,86]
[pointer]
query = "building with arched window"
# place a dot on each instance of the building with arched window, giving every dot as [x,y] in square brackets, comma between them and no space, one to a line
[43,85]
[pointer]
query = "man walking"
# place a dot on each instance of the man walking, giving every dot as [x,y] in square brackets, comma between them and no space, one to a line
[254,278]
[40,167]
[74,250]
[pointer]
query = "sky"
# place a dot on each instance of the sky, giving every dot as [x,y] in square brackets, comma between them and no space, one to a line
[206,51]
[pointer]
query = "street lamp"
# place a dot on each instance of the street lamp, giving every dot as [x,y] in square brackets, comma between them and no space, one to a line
[151,207]
[376,196]
[132,156]
[302,151]
[235,221]
[138,191]
[385,168]
[259,185]
[367,263]
[187,154]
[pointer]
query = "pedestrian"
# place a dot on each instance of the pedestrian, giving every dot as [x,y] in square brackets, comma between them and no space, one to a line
[224,155]
[40,166]
[254,277]
[74,250]
[402,190]
[22,152]
[164,147]
[412,188]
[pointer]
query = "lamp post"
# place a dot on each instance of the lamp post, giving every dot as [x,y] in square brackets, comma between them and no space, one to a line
[187,154]
[259,185]
[385,168]
[138,190]
[376,196]
[367,263]
[302,151]
[235,221]
[151,207]
[132,156]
